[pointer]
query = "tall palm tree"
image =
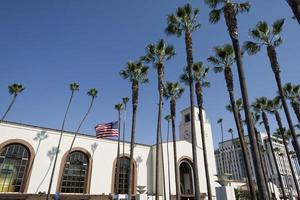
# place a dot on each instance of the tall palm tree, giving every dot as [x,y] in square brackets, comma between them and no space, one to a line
[168,119]
[223,60]
[230,131]
[173,91]
[273,107]
[13,89]
[256,120]
[292,93]
[137,73]
[93,94]
[260,106]
[118,107]
[220,121]
[295,6]
[230,11]
[157,54]
[125,101]
[285,135]
[199,75]
[184,20]
[269,36]
[73,87]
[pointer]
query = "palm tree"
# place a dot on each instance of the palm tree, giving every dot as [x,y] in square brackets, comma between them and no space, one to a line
[220,121]
[136,72]
[230,131]
[93,94]
[199,74]
[273,107]
[223,60]
[260,106]
[256,119]
[230,11]
[118,107]
[285,135]
[13,89]
[292,93]
[185,21]
[73,87]
[295,6]
[263,34]
[125,101]
[173,91]
[168,119]
[157,54]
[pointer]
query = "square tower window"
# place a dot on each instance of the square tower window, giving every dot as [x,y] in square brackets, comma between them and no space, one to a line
[187,118]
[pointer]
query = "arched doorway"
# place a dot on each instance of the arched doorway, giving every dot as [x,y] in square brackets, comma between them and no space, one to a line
[124,176]
[186,180]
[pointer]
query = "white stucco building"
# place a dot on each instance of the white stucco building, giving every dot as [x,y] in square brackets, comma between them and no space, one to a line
[26,160]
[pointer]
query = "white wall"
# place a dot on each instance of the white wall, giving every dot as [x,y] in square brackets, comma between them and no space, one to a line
[103,158]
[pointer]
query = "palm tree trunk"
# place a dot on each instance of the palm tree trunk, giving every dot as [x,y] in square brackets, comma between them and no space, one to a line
[160,76]
[173,114]
[271,175]
[124,125]
[296,108]
[9,107]
[275,67]
[163,168]
[267,127]
[238,122]
[83,119]
[58,146]
[168,158]
[222,147]
[231,22]
[117,180]
[295,6]
[261,160]
[200,107]
[135,93]
[281,130]
[190,62]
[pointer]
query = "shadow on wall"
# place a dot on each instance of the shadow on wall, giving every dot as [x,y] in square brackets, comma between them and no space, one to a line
[50,154]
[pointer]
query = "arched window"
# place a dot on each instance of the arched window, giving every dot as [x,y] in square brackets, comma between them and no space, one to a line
[75,175]
[14,164]
[124,176]
[186,178]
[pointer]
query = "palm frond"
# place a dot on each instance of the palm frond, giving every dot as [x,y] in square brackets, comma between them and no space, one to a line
[215,15]
[242,7]
[92,92]
[218,69]
[74,86]
[251,47]
[277,26]
[213,60]
[263,27]
[173,26]
[206,84]
[213,3]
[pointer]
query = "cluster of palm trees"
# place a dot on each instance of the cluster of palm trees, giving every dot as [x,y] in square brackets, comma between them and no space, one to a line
[185,22]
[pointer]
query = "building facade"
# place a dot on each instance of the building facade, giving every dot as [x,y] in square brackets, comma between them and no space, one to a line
[27,154]
[229,159]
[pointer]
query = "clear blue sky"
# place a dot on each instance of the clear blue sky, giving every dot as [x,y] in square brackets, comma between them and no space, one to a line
[45,45]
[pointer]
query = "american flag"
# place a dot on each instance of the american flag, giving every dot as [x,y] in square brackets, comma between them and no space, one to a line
[107,130]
